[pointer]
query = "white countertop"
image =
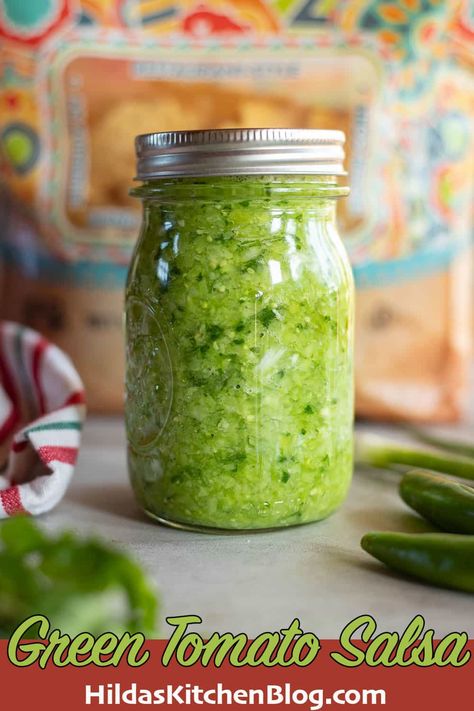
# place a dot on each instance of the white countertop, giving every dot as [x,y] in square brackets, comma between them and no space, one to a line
[260,582]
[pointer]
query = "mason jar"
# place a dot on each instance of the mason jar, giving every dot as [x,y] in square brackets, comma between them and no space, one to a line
[239,330]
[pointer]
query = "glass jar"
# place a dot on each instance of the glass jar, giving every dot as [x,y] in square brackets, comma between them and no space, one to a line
[239,320]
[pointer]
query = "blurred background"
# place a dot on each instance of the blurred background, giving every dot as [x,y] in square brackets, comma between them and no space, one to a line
[80,78]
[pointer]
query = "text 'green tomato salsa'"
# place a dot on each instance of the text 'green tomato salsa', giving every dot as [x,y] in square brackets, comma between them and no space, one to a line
[239,352]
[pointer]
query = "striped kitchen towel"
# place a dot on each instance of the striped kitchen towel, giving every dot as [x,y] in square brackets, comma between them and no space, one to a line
[42,409]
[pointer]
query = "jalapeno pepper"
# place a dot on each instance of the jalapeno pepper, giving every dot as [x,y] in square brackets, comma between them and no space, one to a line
[443,559]
[444,502]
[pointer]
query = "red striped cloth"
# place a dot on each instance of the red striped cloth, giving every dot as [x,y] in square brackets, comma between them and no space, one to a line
[42,410]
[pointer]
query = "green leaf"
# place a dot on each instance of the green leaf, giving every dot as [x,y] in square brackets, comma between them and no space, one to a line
[77,583]
[20,535]
[266,316]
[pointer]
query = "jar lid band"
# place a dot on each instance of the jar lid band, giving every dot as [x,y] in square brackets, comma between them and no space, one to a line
[247,151]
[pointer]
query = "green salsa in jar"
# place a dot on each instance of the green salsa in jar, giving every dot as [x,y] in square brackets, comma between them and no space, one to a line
[239,321]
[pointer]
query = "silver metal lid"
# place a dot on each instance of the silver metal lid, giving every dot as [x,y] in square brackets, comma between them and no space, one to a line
[236,151]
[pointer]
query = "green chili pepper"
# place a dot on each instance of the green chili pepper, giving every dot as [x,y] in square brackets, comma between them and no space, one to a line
[380,452]
[445,503]
[443,559]
[449,445]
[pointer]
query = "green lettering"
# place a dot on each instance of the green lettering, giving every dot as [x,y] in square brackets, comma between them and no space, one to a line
[309,640]
[181,623]
[380,649]
[262,648]
[32,649]
[57,646]
[81,645]
[289,634]
[450,649]
[422,654]
[134,644]
[358,656]
[411,635]
[221,646]
[193,641]
[104,645]
[80,651]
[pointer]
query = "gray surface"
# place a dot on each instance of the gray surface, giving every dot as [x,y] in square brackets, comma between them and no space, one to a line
[259,582]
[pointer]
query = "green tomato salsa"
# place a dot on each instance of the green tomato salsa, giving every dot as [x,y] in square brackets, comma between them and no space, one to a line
[239,353]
